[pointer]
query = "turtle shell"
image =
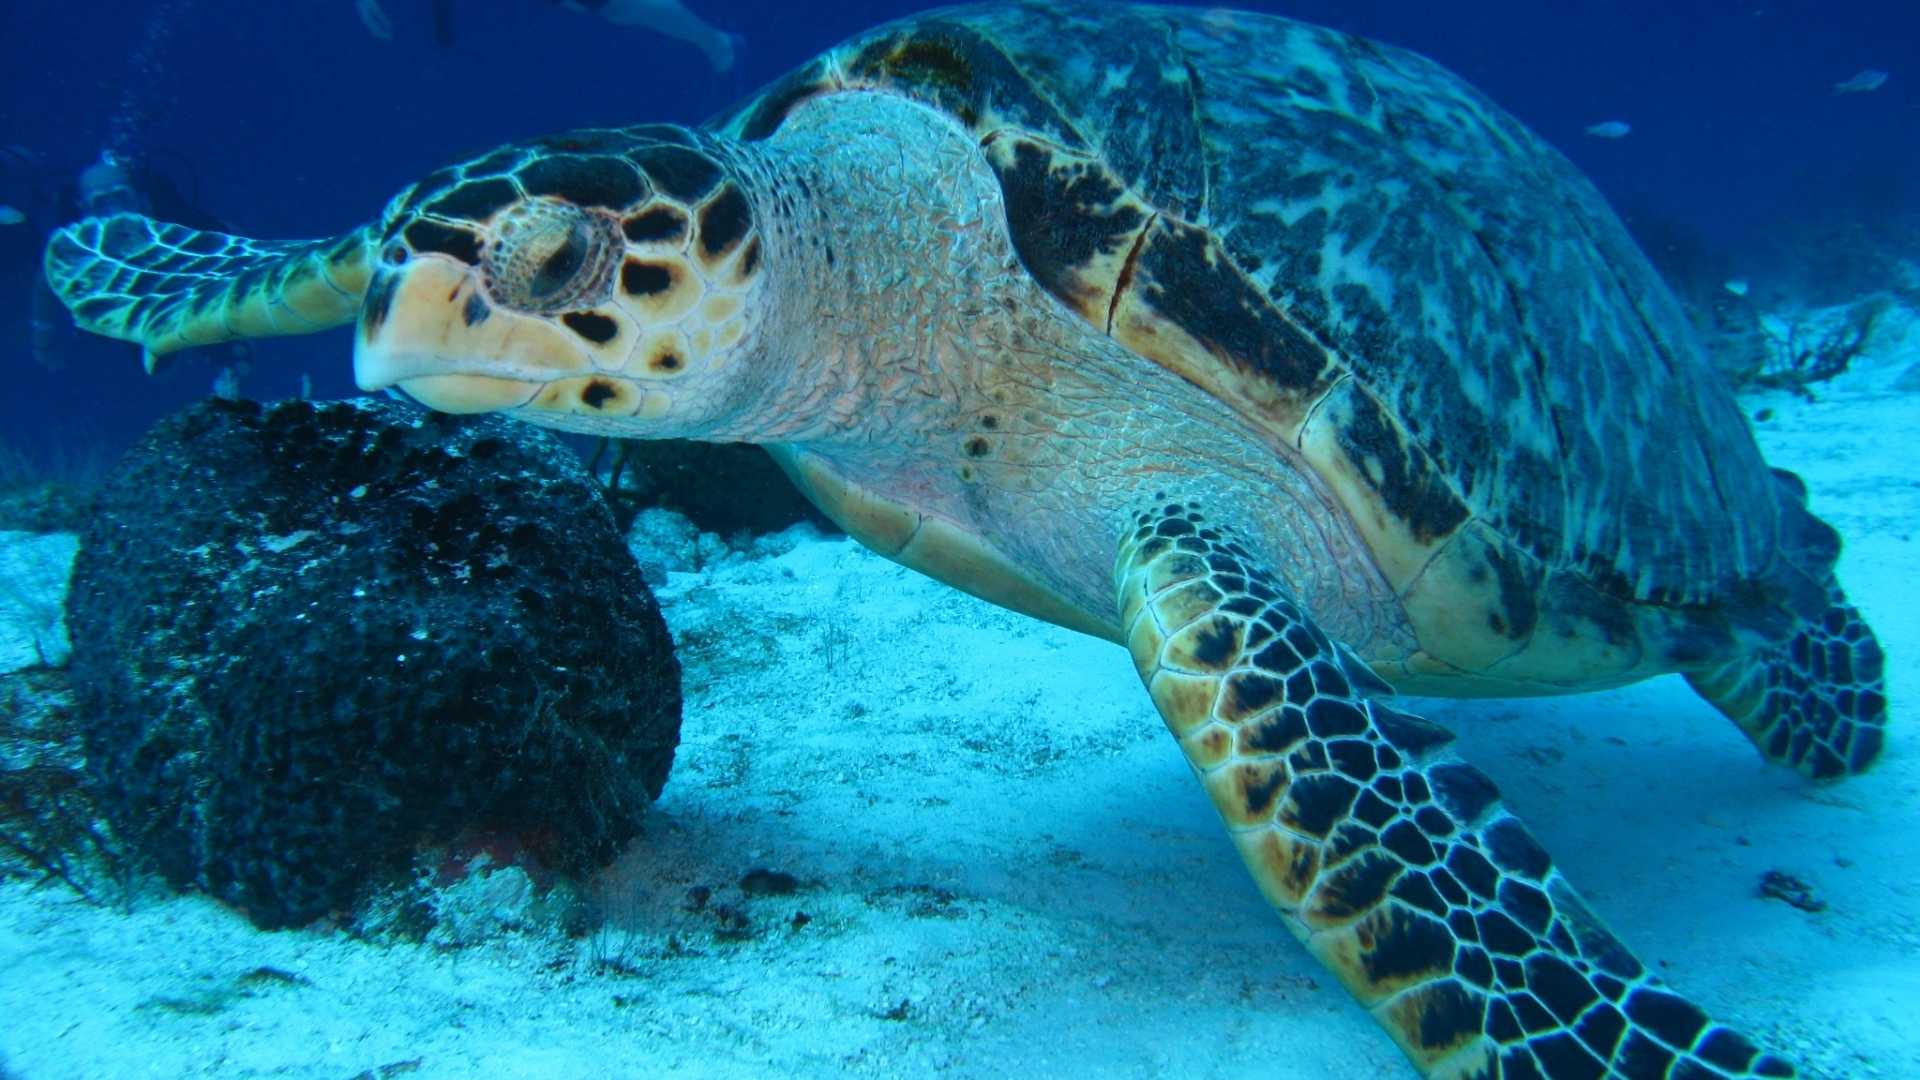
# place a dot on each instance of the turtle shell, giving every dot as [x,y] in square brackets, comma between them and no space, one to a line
[1405,286]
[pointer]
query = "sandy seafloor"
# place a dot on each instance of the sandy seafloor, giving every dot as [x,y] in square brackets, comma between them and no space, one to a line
[1007,868]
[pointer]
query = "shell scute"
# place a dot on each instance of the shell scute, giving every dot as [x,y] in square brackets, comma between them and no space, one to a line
[961,71]
[1185,288]
[1074,224]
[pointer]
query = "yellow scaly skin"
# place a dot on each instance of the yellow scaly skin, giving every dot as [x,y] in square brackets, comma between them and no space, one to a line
[1389,858]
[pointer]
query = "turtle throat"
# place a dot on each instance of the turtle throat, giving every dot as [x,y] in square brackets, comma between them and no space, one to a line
[887,262]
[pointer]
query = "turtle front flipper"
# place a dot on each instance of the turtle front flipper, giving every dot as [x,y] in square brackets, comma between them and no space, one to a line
[167,287]
[1390,858]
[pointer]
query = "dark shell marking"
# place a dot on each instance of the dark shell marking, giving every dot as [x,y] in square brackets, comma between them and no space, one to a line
[645,279]
[592,326]
[1070,220]
[679,173]
[660,224]
[723,223]
[612,169]
[1273,210]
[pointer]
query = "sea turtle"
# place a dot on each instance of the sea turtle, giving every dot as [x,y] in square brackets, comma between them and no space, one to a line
[1281,357]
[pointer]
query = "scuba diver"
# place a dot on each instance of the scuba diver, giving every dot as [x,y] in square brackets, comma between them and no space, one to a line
[127,177]
[668,17]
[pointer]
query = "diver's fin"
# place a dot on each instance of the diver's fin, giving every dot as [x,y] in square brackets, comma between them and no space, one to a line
[166,287]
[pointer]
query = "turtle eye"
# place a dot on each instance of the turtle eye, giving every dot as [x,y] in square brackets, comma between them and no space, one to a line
[560,267]
[547,256]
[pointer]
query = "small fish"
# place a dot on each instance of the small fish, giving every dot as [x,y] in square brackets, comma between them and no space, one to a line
[1610,129]
[10,215]
[1737,286]
[1868,80]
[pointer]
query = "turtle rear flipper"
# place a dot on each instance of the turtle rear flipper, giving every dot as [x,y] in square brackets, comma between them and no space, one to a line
[1817,702]
[167,287]
[1391,859]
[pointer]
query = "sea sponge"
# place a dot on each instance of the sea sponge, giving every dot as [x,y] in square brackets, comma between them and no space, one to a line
[312,639]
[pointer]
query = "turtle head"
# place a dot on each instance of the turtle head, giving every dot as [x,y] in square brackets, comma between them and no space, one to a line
[599,280]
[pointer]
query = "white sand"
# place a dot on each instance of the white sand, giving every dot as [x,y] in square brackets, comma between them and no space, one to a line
[33,590]
[1006,866]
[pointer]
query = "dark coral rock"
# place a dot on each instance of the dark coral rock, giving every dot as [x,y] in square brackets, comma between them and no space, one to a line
[761,881]
[724,488]
[1780,885]
[313,638]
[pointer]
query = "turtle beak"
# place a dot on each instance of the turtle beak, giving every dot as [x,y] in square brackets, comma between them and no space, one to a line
[428,328]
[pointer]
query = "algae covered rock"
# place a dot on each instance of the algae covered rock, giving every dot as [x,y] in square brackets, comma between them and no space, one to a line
[310,639]
[723,488]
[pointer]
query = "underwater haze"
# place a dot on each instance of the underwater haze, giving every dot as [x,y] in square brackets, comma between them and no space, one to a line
[344,737]
[293,121]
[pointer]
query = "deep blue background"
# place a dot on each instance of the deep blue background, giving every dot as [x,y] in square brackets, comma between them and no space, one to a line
[297,123]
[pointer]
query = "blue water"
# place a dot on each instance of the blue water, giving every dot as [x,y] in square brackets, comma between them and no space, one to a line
[289,120]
